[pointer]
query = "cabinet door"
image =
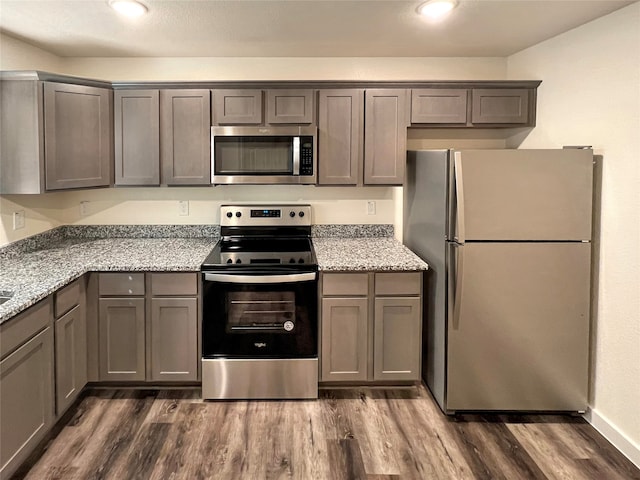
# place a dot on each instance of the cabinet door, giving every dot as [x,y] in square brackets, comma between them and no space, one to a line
[344,339]
[439,105]
[122,339]
[340,137]
[396,338]
[185,137]
[71,357]
[290,106]
[500,105]
[237,107]
[137,137]
[26,400]
[77,136]
[385,136]
[174,339]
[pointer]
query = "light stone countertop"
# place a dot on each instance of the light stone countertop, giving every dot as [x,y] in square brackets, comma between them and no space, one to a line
[33,275]
[368,253]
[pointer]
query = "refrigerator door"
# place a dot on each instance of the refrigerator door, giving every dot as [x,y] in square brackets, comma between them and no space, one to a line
[522,195]
[425,227]
[518,327]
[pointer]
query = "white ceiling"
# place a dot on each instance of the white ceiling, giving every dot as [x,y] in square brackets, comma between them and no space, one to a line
[293,28]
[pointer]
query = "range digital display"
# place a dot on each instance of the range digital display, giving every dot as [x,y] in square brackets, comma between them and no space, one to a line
[266,213]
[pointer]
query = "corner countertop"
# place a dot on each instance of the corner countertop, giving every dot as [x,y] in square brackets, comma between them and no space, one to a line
[49,263]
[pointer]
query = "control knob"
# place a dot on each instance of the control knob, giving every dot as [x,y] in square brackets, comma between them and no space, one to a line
[301,214]
[292,214]
[238,261]
[229,260]
[229,214]
[238,214]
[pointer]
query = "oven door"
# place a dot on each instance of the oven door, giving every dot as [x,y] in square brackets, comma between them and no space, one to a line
[259,315]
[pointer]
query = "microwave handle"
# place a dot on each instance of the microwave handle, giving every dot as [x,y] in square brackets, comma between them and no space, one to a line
[296,155]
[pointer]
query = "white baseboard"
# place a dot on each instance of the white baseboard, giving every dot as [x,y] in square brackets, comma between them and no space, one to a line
[618,439]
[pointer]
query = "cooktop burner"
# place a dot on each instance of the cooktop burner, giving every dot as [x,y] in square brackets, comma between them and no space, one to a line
[260,236]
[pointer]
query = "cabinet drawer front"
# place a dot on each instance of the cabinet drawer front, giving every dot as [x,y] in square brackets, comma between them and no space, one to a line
[17,331]
[67,298]
[174,284]
[121,284]
[345,284]
[398,283]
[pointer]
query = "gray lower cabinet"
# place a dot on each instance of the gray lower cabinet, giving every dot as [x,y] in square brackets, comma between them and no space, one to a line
[396,338]
[54,136]
[174,339]
[385,136]
[137,137]
[371,327]
[345,326]
[70,328]
[185,137]
[340,136]
[26,385]
[148,327]
[122,339]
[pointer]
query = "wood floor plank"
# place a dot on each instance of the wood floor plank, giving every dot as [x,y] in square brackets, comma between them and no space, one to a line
[358,433]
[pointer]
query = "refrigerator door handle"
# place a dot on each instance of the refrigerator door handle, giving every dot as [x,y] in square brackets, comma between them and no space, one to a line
[456,282]
[459,206]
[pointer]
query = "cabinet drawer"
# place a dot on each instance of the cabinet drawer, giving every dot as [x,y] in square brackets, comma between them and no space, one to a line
[398,283]
[17,331]
[121,284]
[67,298]
[345,284]
[174,284]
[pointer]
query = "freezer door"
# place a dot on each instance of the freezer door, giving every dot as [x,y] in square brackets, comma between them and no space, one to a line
[522,195]
[518,327]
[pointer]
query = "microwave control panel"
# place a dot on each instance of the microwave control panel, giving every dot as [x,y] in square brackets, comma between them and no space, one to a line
[306,155]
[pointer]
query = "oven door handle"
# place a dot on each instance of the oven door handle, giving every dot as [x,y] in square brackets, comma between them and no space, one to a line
[233,278]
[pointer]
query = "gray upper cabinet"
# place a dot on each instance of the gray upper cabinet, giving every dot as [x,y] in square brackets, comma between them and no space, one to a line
[185,137]
[290,106]
[137,137]
[439,106]
[77,124]
[385,136]
[340,134]
[54,136]
[237,107]
[500,106]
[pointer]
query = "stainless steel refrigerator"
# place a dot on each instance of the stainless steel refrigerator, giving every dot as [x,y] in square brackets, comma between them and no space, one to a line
[507,236]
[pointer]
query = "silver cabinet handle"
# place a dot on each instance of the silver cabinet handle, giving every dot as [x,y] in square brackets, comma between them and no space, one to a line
[232,278]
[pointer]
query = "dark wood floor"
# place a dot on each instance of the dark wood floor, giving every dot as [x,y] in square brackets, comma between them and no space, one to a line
[346,434]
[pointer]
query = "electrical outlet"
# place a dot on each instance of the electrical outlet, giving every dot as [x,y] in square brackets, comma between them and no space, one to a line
[183,208]
[371,207]
[18,219]
[84,208]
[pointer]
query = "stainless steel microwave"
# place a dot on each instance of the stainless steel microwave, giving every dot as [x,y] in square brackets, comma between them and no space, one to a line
[264,155]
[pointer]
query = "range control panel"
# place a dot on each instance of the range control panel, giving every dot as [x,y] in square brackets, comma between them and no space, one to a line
[265,215]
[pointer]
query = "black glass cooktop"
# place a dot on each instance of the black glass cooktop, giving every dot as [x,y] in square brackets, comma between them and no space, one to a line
[261,252]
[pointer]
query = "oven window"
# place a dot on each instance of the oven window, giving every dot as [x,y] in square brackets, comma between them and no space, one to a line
[253,155]
[251,312]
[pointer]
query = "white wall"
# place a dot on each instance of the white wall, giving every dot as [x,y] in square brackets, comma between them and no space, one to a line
[590,95]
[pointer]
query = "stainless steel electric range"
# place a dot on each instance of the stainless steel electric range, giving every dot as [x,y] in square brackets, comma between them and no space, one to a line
[260,305]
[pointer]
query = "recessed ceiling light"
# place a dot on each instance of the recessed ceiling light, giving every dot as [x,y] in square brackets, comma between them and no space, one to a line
[130,8]
[437,8]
